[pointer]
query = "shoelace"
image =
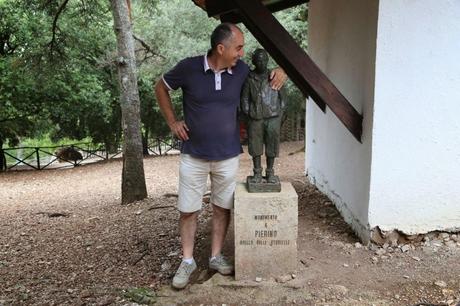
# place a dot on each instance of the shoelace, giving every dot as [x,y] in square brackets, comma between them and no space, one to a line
[222,259]
[184,269]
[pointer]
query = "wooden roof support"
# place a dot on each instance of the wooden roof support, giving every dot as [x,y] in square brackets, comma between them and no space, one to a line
[234,16]
[227,10]
[298,65]
[218,7]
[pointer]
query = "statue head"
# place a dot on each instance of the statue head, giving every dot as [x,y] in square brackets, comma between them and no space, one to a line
[260,59]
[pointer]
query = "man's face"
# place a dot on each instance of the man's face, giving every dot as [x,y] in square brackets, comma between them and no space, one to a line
[232,50]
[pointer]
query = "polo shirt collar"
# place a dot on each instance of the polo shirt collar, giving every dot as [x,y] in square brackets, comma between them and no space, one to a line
[206,66]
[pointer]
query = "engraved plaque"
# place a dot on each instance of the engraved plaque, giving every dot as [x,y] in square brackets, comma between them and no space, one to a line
[265,232]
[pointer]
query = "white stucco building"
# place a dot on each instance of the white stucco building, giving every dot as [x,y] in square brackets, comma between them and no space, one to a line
[398,63]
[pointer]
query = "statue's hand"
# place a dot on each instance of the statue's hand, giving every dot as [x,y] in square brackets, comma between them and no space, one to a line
[277,78]
[180,129]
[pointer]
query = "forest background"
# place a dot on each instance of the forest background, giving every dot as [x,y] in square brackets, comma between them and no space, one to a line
[58,72]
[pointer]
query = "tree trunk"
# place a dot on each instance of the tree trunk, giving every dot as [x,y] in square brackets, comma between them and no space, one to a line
[133,186]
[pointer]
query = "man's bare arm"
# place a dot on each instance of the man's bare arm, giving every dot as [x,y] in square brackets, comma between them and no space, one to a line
[277,78]
[179,128]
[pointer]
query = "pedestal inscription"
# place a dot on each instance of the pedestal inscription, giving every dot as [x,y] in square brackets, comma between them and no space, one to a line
[265,232]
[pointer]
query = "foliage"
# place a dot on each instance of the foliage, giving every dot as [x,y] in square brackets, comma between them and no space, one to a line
[57,72]
[17,86]
[143,296]
[46,141]
[55,86]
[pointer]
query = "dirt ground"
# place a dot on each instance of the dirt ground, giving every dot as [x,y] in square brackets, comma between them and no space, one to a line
[66,240]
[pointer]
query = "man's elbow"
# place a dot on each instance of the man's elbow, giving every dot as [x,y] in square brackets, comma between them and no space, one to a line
[158,85]
[160,88]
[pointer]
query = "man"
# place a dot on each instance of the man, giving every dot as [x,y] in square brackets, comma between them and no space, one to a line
[211,87]
[264,109]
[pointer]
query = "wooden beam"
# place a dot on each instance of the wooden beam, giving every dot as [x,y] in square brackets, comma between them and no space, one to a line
[224,8]
[232,17]
[297,64]
[285,4]
[218,7]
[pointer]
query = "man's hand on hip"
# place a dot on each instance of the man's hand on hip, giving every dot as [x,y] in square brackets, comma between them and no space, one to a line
[277,78]
[180,129]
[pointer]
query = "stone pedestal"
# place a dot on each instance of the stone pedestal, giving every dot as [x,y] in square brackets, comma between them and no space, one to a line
[265,232]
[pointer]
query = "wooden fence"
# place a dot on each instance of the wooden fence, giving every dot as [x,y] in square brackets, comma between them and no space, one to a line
[40,158]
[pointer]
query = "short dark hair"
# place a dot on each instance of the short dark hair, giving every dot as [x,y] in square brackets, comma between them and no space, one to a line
[222,33]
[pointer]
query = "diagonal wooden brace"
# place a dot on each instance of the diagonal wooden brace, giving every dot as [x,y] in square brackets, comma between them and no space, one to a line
[300,68]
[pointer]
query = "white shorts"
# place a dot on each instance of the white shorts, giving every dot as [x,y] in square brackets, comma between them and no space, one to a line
[193,177]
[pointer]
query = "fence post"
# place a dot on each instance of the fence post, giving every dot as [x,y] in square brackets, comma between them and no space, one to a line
[37,154]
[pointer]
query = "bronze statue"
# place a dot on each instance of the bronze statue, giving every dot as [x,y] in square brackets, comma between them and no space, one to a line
[263,107]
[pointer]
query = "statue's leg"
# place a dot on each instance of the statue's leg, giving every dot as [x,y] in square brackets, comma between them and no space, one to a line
[255,147]
[257,162]
[270,172]
[270,162]
[272,146]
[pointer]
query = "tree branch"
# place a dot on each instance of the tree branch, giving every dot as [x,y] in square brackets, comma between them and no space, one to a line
[56,17]
[143,43]
[147,49]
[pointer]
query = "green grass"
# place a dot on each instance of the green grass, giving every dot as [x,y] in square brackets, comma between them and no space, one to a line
[47,142]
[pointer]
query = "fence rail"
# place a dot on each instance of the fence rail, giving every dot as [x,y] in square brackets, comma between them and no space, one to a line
[40,158]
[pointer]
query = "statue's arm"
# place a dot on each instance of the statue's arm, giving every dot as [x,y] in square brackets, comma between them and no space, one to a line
[245,96]
[283,98]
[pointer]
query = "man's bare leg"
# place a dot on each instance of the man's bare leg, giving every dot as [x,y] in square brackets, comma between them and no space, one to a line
[188,225]
[220,222]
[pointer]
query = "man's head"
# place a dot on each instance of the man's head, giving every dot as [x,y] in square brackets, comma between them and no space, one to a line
[227,42]
[260,59]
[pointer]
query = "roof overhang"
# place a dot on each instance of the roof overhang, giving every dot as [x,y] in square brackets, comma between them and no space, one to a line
[227,11]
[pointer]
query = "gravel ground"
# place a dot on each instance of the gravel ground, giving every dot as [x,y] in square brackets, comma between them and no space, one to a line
[66,240]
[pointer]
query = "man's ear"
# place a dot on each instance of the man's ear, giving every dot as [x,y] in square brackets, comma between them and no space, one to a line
[220,49]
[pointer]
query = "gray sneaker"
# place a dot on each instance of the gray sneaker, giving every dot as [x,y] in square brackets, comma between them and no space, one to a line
[221,264]
[182,275]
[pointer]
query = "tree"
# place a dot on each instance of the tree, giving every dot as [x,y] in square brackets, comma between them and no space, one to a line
[64,88]
[20,102]
[133,178]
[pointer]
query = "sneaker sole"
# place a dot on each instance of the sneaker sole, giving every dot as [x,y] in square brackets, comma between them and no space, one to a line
[223,271]
[179,286]
[182,285]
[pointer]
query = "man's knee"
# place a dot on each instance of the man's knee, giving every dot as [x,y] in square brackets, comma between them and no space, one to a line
[187,216]
[220,210]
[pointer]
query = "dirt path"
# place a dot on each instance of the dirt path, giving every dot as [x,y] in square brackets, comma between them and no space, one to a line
[65,240]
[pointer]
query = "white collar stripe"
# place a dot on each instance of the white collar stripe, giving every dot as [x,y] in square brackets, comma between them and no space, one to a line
[206,66]
[217,75]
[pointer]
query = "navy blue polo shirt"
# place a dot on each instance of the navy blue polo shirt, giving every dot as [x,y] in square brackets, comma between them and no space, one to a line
[210,102]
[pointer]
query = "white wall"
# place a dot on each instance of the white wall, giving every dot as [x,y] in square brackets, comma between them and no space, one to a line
[342,35]
[415,176]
